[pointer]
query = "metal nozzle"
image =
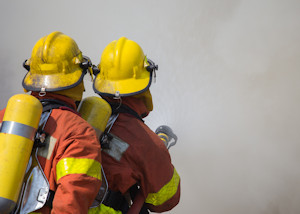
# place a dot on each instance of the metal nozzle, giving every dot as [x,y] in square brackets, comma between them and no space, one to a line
[167,135]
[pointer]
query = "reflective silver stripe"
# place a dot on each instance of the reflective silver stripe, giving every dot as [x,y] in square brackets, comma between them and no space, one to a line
[116,147]
[11,127]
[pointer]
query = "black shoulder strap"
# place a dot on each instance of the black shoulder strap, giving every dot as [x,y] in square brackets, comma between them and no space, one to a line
[117,108]
[49,104]
[117,201]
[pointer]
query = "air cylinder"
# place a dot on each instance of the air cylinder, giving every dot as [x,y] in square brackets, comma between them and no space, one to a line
[96,111]
[17,132]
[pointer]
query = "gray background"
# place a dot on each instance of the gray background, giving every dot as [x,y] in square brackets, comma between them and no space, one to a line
[228,85]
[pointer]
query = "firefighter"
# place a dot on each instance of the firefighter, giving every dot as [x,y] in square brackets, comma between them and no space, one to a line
[70,157]
[134,158]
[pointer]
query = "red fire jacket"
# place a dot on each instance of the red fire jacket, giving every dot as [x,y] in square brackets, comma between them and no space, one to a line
[141,157]
[71,159]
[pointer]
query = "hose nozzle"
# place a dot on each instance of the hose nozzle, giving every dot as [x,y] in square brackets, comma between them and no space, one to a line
[166,135]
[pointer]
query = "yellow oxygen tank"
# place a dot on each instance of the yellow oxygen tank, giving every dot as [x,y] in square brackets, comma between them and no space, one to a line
[96,111]
[17,132]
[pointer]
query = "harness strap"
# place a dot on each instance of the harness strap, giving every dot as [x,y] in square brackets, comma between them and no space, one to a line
[133,192]
[117,108]
[50,198]
[48,106]
[117,201]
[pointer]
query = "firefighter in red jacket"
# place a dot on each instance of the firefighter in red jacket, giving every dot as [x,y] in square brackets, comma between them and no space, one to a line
[70,158]
[134,158]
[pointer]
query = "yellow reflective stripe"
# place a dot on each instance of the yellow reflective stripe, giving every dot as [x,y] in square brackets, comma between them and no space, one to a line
[102,209]
[67,166]
[166,192]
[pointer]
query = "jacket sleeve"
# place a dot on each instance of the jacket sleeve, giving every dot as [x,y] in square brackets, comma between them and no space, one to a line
[77,167]
[161,182]
[166,197]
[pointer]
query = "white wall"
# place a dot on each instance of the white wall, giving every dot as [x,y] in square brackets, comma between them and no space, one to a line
[228,85]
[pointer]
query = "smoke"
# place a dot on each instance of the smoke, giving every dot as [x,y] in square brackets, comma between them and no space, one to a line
[227,84]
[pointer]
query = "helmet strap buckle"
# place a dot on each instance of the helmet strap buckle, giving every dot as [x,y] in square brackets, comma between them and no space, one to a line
[42,92]
[117,95]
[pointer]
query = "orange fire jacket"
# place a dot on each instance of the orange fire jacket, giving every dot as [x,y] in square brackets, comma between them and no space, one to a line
[143,159]
[71,159]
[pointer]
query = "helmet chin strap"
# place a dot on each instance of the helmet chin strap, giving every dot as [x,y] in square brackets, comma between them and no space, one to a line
[118,97]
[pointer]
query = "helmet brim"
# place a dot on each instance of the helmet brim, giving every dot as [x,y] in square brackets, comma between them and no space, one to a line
[52,82]
[123,88]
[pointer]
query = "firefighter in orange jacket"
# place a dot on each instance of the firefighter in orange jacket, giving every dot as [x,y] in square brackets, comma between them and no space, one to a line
[134,157]
[71,158]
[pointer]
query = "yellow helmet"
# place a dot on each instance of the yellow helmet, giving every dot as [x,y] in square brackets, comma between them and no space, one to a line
[124,70]
[56,64]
